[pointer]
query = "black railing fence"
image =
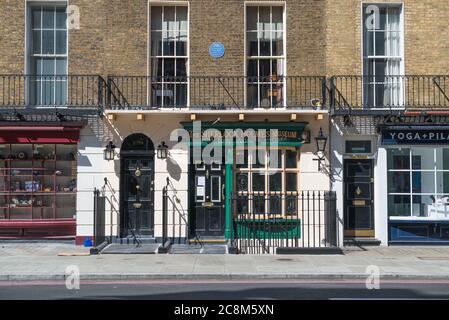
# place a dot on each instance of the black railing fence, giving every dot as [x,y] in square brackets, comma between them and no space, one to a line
[217,92]
[409,92]
[89,92]
[99,218]
[263,223]
[61,91]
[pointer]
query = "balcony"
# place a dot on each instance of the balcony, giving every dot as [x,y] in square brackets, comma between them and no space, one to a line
[65,94]
[216,93]
[370,95]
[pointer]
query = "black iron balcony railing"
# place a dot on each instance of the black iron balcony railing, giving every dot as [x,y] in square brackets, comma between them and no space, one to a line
[135,92]
[74,92]
[91,93]
[410,92]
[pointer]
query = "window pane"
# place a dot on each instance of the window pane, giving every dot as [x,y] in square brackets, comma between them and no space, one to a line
[278,44]
[168,43]
[275,159]
[37,42]
[442,159]
[422,205]
[443,182]
[61,67]
[48,66]
[169,18]
[181,95]
[394,13]
[242,181]
[290,159]
[61,18]
[291,181]
[156,18]
[380,43]
[264,69]
[251,18]
[265,42]
[368,43]
[241,158]
[156,67]
[277,18]
[399,182]
[61,42]
[423,158]
[253,47]
[399,205]
[181,44]
[423,182]
[258,158]
[275,204]
[181,17]
[156,43]
[398,158]
[36,17]
[48,42]
[252,70]
[394,44]
[48,18]
[258,181]
[275,181]
[169,67]
[181,68]
[264,18]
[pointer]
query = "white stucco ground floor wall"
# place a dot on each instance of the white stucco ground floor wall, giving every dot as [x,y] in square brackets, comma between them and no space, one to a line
[93,169]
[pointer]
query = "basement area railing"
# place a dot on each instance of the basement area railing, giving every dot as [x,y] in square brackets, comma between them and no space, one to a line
[265,223]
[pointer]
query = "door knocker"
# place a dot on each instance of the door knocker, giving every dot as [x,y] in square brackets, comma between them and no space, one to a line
[138,173]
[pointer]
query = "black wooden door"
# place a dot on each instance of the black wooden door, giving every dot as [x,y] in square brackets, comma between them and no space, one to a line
[359,198]
[138,196]
[209,200]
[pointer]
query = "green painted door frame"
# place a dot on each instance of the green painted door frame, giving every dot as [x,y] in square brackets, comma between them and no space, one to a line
[228,186]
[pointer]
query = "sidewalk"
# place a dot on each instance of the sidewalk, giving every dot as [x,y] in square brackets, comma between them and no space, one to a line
[40,261]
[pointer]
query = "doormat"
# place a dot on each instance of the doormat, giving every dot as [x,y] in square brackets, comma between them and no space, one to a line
[130,249]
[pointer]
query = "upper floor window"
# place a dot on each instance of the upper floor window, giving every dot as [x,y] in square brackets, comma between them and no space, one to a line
[265,56]
[169,55]
[383,55]
[47,53]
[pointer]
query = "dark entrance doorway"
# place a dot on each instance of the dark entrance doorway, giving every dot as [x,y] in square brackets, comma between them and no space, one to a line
[137,186]
[359,198]
[208,199]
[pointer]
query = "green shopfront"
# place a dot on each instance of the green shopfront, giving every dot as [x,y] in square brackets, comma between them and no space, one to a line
[244,170]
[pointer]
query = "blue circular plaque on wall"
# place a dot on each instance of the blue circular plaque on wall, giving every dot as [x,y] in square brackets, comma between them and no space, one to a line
[216,50]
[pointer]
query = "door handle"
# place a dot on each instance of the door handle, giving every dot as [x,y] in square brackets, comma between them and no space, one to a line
[222,191]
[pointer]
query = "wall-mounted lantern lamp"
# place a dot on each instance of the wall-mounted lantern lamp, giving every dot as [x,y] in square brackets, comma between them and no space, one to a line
[162,151]
[109,151]
[321,141]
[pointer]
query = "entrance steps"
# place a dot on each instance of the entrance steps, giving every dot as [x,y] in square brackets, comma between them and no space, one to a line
[361,242]
[131,240]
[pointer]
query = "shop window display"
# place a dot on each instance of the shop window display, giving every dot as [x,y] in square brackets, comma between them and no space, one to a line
[418,182]
[37,181]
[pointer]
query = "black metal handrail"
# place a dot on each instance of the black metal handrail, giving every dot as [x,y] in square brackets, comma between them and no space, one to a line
[263,222]
[220,92]
[408,92]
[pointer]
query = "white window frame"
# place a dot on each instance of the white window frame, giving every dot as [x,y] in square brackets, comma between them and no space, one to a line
[366,58]
[284,50]
[163,5]
[29,5]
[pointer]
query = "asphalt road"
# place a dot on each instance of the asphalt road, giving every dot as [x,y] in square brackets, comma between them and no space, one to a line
[226,290]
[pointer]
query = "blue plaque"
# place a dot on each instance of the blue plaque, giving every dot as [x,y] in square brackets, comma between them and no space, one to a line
[216,50]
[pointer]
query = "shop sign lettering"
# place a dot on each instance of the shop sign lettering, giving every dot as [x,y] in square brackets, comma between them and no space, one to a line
[415,136]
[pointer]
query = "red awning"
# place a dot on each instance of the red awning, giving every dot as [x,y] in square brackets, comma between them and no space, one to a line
[39,134]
